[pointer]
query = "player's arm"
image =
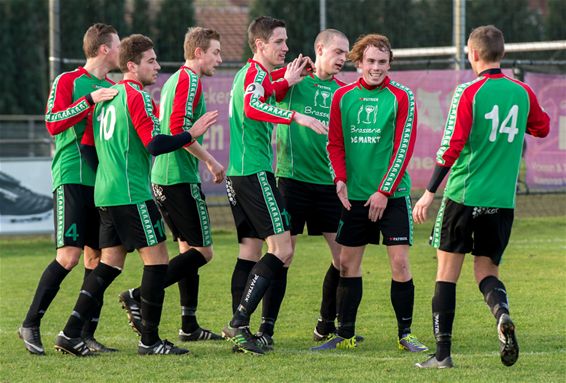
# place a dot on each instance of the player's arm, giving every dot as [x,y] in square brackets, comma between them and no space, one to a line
[336,150]
[184,103]
[538,121]
[292,74]
[214,167]
[88,151]
[62,112]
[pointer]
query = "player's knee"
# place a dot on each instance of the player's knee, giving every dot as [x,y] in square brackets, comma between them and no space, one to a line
[68,257]
[207,253]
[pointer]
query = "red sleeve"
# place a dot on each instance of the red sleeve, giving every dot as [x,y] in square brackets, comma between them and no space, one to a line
[280,85]
[184,104]
[258,89]
[141,110]
[61,112]
[403,140]
[458,124]
[278,74]
[335,147]
[88,135]
[538,122]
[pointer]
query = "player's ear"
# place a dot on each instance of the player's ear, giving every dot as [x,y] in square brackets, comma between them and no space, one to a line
[318,49]
[132,66]
[199,52]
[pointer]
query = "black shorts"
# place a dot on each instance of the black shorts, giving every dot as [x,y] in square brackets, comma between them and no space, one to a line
[183,207]
[76,219]
[316,205]
[132,226]
[480,230]
[396,224]
[257,206]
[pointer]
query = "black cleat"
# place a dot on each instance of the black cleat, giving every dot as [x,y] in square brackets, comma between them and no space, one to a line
[242,339]
[508,346]
[32,340]
[162,347]
[199,334]
[95,346]
[265,341]
[133,310]
[72,346]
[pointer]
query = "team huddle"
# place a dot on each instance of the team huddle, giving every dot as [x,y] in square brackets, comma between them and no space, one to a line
[123,166]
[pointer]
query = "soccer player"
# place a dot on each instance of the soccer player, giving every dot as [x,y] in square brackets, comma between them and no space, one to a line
[126,131]
[257,206]
[482,144]
[176,182]
[372,131]
[68,111]
[305,177]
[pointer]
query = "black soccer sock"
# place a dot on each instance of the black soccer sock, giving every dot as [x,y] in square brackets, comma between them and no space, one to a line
[328,304]
[239,279]
[403,299]
[45,292]
[90,298]
[188,290]
[258,282]
[348,298]
[90,325]
[495,296]
[443,311]
[272,301]
[152,294]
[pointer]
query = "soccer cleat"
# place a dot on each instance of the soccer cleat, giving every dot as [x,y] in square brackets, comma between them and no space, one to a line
[265,341]
[133,310]
[319,337]
[411,343]
[432,362]
[161,347]
[243,339]
[336,342]
[508,346]
[19,204]
[95,346]
[72,346]
[32,340]
[198,335]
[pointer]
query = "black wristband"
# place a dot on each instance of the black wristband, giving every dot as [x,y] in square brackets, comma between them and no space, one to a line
[437,177]
[89,99]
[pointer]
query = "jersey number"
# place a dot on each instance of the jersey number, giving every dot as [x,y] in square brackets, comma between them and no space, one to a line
[508,126]
[107,122]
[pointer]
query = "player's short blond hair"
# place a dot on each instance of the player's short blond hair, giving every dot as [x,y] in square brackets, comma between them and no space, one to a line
[488,41]
[198,37]
[95,36]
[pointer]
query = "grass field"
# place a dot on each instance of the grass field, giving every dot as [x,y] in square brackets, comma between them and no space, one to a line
[534,271]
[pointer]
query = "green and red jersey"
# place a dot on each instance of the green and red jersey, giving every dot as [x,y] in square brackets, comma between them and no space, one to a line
[483,139]
[181,105]
[252,115]
[371,136]
[67,114]
[301,152]
[122,128]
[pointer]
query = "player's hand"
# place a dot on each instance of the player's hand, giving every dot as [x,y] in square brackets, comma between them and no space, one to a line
[294,70]
[103,94]
[421,207]
[309,67]
[377,203]
[216,169]
[310,122]
[342,191]
[203,123]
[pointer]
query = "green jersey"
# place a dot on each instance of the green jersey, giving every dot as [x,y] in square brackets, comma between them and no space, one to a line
[252,114]
[301,152]
[67,114]
[122,129]
[181,105]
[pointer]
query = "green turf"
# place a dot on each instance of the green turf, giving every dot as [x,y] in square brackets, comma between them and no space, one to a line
[533,270]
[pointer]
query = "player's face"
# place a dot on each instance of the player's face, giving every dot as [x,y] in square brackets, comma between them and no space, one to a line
[375,65]
[211,58]
[333,55]
[112,53]
[148,68]
[275,48]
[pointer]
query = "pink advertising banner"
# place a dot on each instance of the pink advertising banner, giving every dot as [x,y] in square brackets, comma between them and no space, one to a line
[433,91]
[545,159]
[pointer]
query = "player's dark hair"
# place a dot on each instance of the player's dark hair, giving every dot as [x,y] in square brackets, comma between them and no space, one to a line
[95,36]
[489,42]
[381,42]
[132,48]
[262,28]
[198,37]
